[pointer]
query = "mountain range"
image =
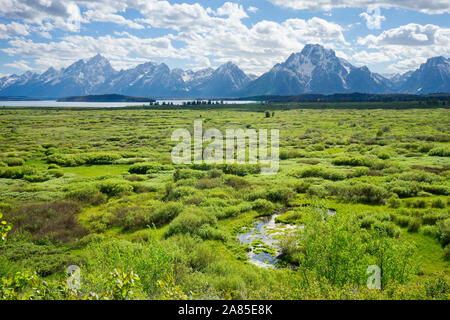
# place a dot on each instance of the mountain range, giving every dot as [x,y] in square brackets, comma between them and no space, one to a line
[313,70]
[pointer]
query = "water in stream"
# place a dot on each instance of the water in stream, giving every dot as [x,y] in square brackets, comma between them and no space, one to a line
[264,237]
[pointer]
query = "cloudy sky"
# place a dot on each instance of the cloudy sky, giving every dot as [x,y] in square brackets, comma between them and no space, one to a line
[387,36]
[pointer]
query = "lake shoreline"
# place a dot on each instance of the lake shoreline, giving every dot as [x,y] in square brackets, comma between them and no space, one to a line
[114,105]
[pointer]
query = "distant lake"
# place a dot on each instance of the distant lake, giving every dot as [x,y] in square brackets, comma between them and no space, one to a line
[54,103]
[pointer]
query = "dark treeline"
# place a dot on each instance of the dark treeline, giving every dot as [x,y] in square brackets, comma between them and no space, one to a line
[354,97]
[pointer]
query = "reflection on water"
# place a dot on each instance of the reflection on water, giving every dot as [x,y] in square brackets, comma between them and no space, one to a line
[54,103]
[264,237]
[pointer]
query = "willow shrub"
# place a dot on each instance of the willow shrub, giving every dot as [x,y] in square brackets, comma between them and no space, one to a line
[115,187]
[358,192]
[150,260]
[92,158]
[87,193]
[149,167]
[337,249]
[320,172]
[190,222]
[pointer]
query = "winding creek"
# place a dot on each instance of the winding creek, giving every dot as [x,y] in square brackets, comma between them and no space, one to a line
[264,237]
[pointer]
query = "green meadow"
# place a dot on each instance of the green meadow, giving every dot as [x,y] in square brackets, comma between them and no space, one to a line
[96,188]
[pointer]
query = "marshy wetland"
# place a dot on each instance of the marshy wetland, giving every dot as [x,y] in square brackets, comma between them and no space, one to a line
[97,189]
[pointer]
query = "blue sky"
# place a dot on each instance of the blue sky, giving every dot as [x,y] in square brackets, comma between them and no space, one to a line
[388,36]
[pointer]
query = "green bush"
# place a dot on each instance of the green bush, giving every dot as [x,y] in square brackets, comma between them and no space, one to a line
[202,166]
[431,231]
[417,203]
[436,189]
[99,158]
[232,211]
[291,154]
[281,194]
[215,173]
[89,193]
[115,187]
[240,169]
[185,174]
[165,213]
[207,232]
[16,172]
[186,182]
[394,202]
[179,192]
[384,155]
[48,145]
[236,182]
[438,203]
[263,206]
[56,173]
[73,160]
[382,216]
[359,192]
[135,178]
[431,218]
[14,162]
[207,183]
[425,148]
[321,172]
[367,222]
[139,187]
[317,191]
[301,187]
[354,161]
[388,228]
[45,259]
[35,178]
[66,160]
[190,222]
[447,252]
[414,225]
[402,221]
[404,189]
[257,194]
[149,167]
[195,199]
[360,172]
[444,229]
[132,218]
[418,176]
[151,260]
[440,152]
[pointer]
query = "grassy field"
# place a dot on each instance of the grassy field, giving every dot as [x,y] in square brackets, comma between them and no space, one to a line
[97,189]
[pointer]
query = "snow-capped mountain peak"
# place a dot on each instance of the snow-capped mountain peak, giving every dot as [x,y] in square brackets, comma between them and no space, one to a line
[433,76]
[313,70]
[193,76]
[316,70]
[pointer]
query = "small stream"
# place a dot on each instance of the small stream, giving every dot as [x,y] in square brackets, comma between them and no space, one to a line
[264,237]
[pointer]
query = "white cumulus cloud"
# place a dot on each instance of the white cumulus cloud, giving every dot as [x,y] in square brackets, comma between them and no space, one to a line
[13,29]
[20,65]
[425,6]
[406,46]
[373,18]
[409,35]
[63,14]
[252,9]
